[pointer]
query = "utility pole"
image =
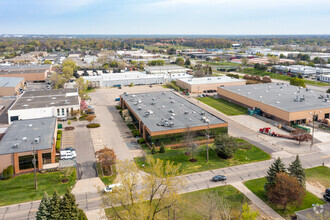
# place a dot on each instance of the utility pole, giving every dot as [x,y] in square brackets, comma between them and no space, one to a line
[34,167]
[207,145]
[312,141]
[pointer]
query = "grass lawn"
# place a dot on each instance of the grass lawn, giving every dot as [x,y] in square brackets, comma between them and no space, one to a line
[257,187]
[21,188]
[193,209]
[252,71]
[106,179]
[319,174]
[224,106]
[241,156]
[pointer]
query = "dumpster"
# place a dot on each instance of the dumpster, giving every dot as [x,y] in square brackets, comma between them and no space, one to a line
[59,126]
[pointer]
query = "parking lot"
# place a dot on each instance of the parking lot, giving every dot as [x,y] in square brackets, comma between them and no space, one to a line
[113,132]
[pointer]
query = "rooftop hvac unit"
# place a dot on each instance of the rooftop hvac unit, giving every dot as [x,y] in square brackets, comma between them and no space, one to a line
[202,113]
[171,97]
[164,93]
[171,118]
[153,103]
[186,112]
[163,106]
[135,103]
[172,101]
[296,99]
[139,101]
[36,140]
[171,110]
[153,99]
[15,146]
[173,114]
[139,108]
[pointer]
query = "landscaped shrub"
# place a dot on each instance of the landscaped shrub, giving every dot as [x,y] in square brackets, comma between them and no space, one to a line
[83,117]
[58,145]
[59,132]
[8,173]
[135,133]
[233,75]
[59,136]
[118,107]
[162,148]
[141,141]
[95,125]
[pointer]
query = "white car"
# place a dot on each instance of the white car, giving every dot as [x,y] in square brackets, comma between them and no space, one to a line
[68,155]
[112,187]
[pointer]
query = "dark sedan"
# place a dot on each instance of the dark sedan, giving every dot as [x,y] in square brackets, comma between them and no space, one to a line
[218,178]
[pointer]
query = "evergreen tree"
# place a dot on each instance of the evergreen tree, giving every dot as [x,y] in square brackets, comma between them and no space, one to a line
[55,211]
[153,150]
[82,215]
[277,167]
[69,208]
[295,169]
[162,148]
[44,208]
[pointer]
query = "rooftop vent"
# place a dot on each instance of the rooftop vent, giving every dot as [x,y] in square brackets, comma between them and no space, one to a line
[164,93]
[29,100]
[36,140]
[139,108]
[202,113]
[24,138]
[135,103]
[277,102]
[279,94]
[186,112]
[15,146]
[171,118]
[52,103]
[172,101]
[153,99]
[163,106]
[26,105]
[153,103]
[30,125]
[171,110]
[53,97]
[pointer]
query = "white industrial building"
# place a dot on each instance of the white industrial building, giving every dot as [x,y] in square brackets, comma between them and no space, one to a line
[43,104]
[324,78]
[304,70]
[135,77]
[167,69]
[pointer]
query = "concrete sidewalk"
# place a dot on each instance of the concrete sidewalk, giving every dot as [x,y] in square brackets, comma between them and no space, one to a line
[258,202]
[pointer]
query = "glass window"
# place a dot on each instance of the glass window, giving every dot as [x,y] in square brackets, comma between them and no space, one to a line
[62,111]
[46,158]
[67,111]
[25,162]
[58,112]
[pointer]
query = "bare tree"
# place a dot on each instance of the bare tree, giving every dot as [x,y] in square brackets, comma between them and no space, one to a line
[213,206]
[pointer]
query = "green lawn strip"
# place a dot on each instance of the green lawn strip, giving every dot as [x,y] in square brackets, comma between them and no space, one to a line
[319,174]
[191,203]
[177,156]
[21,188]
[106,179]
[252,71]
[224,106]
[257,187]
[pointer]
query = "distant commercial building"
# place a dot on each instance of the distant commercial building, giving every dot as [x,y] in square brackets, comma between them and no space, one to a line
[300,69]
[43,104]
[29,72]
[9,86]
[164,118]
[324,78]
[16,146]
[167,69]
[135,77]
[198,85]
[282,102]
[137,54]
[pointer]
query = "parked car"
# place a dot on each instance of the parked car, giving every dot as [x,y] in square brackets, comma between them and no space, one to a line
[218,178]
[68,154]
[70,149]
[112,187]
[326,197]
[327,191]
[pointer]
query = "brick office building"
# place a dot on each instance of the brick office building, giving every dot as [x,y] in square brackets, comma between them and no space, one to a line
[16,146]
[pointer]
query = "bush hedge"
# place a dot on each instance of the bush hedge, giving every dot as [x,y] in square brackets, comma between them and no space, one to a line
[141,141]
[8,173]
[59,132]
[58,145]
[135,133]
[59,137]
[93,125]
[118,107]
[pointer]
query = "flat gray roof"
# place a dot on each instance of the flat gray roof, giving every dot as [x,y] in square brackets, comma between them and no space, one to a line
[10,81]
[283,96]
[22,71]
[168,107]
[209,80]
[166,67]
[21,135]
[25,67]
[47,98]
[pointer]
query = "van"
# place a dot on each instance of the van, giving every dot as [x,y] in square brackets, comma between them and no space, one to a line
[67,155]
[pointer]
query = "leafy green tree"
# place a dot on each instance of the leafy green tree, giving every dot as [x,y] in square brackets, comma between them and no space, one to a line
[328,90]
[282,55]
[295,169]
[68,207]
[172,51]
[295,81]
[187,63]
[55,210]
[153,150]
[69,63]
[67,72]
[44,208]
[47,62]
[277,167]
[248,213]
[179,61]
[225,146]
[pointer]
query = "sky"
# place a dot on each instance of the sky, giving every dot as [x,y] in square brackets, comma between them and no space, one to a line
[178,17]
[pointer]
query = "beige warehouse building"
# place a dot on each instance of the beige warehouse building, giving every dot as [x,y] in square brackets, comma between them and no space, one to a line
[198,85]
[9,86]
[282,102]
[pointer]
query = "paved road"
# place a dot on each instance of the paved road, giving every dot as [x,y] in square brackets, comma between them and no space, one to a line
[86,161]
[194,182]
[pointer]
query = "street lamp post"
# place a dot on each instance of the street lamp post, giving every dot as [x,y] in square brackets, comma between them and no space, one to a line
[208,138]
[34,167]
